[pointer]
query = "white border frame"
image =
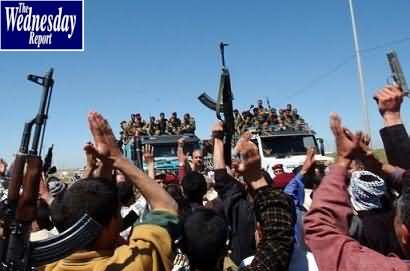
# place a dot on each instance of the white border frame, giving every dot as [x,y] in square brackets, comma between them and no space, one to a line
[47,50]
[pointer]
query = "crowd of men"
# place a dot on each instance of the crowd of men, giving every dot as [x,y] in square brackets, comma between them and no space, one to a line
[352,215]
[266,120]
[157,126]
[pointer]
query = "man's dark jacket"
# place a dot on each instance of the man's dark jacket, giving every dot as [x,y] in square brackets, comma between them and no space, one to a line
[397,145]
[239,214]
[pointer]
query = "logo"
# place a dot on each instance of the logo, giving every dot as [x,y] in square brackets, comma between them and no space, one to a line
[42,25]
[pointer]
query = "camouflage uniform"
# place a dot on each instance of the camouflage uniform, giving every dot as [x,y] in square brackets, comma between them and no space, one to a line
[152,128]
[173,125]
[162,122]
[188,125]
[138,125]
[238,121]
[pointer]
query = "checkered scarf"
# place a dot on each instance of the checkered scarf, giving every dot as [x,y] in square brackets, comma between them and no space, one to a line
[366,190]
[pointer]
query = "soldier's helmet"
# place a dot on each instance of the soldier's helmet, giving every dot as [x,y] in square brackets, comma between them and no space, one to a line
[174,114]
[186,116]
[137,116]
[152,118]
[260,103]
[162,115]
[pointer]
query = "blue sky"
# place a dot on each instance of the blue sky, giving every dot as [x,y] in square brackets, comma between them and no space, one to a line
[152,56]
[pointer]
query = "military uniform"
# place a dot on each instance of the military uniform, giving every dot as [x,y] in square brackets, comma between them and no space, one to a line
[238,122]
[162,125]
[188,126]
[173,126]
[152,128]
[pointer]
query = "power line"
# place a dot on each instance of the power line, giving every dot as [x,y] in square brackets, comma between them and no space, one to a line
[336,68]
[319,78]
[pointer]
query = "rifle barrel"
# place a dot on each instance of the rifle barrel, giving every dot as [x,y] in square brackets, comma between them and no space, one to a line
[42,113]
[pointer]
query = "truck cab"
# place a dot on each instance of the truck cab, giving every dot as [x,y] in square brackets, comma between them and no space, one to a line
[289,149]
[165,150]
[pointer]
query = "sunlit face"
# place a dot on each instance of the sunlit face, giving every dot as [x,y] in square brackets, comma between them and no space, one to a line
[197,158]
[278,171]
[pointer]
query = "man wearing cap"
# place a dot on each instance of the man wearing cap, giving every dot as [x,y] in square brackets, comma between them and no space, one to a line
[282,178]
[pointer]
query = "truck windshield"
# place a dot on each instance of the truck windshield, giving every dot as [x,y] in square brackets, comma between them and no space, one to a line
[170,150]
[281,146]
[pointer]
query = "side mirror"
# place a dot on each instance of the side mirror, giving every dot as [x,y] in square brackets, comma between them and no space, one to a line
[321,146]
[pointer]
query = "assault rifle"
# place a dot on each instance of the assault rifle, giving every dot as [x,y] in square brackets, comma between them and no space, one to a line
[48,160]
[396,72]
[136,153]
[223,105]
[19,211]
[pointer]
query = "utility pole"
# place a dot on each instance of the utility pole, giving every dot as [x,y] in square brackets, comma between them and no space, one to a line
[360,71]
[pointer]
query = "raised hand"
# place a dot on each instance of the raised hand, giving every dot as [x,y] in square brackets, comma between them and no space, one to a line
[309,161]
[148,153]
[389,100]
[91,159]
[217,130]
[347,144]
[105,144]
[365,144]
[182,157]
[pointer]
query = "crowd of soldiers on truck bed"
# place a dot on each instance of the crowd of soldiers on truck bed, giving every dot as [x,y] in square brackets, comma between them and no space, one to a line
[260,119]
[267,120]
[156,126]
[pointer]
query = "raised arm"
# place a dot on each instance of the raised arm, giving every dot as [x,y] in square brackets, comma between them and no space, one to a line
[274,211]
[394,135]
[296,188]
[391,174]
[326,224]
[238,210]
[107,150]
[148,155]
[218,137]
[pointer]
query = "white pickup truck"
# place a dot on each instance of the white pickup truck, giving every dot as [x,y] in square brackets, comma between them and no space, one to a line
[289,149]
